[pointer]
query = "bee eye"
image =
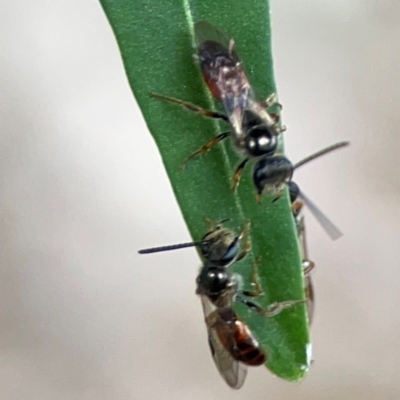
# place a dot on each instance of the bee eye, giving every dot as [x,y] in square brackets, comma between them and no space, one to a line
[260,141]
[293,191]
[231,253]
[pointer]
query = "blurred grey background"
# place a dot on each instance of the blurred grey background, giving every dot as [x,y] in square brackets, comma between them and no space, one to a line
[82,316]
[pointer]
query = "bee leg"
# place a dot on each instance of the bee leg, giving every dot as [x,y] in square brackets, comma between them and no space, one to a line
[308,266]
[255,281]
[210,224]
[297,206]
[205,148]
[276,117]
[278,196]
[238,174]
[273,309]
[220,223]
[231,46]
[247,245]
[276,308]
[271,101]
[191,107]
[280,129]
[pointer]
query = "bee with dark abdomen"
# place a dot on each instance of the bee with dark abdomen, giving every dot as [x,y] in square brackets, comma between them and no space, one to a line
[273,173]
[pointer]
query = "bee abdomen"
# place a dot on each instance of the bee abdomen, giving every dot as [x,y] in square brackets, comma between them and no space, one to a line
[250,354]
[248,350]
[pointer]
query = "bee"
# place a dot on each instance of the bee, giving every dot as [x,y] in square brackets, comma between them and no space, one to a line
[253,126]
[273,173]
[233,345]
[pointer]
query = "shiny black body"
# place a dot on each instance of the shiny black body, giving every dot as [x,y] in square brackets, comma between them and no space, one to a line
[271,174]
[233,345]
[254,129]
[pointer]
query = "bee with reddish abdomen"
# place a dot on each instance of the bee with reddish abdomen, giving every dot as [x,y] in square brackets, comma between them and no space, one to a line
[233,345]
[254,127]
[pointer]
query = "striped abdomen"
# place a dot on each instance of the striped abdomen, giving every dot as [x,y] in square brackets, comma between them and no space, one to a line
[238,339]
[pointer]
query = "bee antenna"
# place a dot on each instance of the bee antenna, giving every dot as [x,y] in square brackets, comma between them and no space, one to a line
[171,247]
[320,153]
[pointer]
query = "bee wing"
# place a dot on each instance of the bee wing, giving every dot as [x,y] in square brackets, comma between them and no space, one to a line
[233,371]
[204,31]
[308,285]
[309,290]
[328,226]
[223,72]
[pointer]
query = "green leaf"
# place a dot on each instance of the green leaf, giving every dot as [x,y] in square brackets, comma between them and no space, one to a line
[156,43]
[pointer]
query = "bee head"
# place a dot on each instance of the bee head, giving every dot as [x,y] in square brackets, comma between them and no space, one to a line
[220,246]
[271,174]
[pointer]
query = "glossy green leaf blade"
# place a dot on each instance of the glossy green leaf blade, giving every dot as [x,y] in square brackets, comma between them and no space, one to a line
[156,43]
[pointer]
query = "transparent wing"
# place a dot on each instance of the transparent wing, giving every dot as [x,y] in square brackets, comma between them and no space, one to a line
[204,31]
[308,285]
[233,372]
[328,226]
[223,72]
[309,291]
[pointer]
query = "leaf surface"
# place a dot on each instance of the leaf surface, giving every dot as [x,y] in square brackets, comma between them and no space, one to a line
[155,38]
